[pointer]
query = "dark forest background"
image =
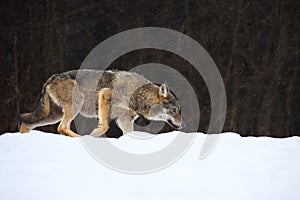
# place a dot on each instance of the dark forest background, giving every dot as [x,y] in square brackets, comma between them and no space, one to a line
[255,45]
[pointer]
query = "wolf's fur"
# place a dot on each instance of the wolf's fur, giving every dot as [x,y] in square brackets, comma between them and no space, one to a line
[109,95]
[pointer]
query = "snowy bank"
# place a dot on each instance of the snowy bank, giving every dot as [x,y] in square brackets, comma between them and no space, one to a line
[47,166]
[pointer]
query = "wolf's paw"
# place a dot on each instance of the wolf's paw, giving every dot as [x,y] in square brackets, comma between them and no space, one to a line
[25,128]
[99,131]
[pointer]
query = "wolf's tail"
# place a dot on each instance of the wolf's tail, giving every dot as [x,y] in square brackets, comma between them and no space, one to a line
[41,112]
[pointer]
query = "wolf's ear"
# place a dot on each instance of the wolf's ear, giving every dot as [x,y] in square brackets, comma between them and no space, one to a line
[163,90]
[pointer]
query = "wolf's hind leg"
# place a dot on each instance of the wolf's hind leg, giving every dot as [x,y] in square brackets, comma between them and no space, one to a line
[104,99]
[68,116]
[25,128]
[54,116]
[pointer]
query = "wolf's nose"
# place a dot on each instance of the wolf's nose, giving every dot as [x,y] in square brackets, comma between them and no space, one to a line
[182,125]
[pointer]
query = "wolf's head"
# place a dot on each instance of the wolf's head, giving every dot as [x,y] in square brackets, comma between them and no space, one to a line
[157,103]
[166,108]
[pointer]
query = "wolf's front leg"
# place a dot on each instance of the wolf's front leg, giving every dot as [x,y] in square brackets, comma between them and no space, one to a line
[104,99]
[125,124]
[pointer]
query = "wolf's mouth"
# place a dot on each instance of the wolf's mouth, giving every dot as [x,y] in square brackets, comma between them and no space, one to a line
[175,125]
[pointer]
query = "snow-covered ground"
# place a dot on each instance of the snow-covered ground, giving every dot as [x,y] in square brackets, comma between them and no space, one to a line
[47,166]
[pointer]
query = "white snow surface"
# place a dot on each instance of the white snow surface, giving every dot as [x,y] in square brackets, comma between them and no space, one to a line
[45,166]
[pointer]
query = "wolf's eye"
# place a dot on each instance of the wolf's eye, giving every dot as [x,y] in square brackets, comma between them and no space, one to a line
[174,109]
[165,103]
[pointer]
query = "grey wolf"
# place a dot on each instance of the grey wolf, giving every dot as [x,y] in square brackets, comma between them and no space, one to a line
[107,95]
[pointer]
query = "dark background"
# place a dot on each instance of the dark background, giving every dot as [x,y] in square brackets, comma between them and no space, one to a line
[255,45]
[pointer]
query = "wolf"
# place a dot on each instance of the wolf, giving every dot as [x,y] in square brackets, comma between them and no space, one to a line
[122,96]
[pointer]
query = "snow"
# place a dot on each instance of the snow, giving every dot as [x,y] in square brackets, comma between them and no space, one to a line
[47,166]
